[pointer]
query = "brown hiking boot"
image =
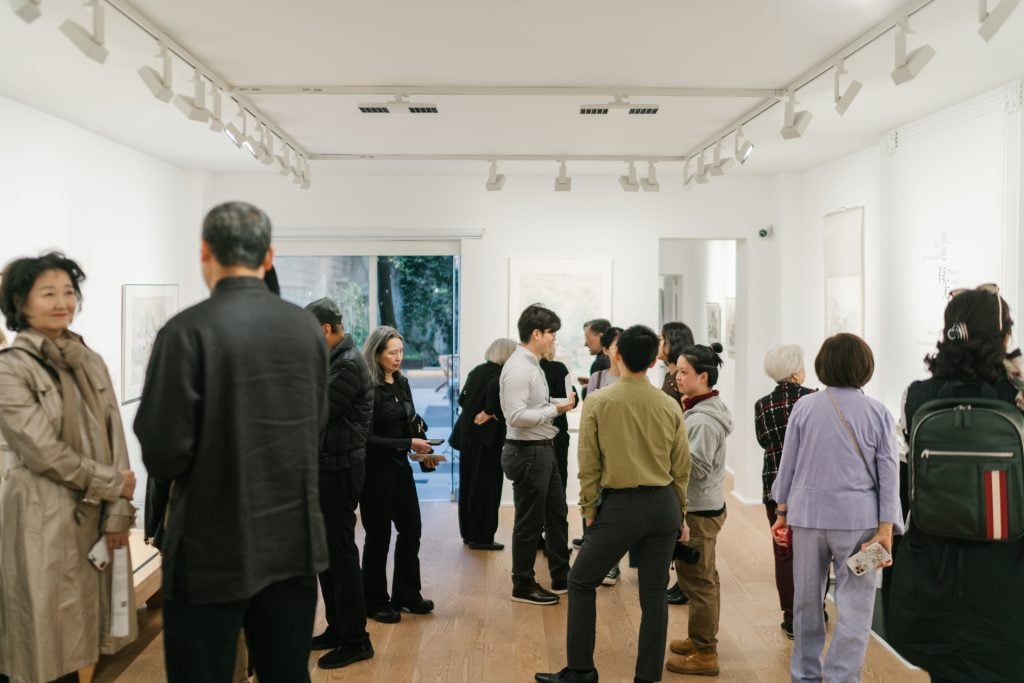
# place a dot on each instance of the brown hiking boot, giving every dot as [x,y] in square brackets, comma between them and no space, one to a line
[682,647]
[695,664]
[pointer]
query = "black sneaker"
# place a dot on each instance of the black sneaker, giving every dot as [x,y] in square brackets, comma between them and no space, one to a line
[787,628]
[675,596]
[560,587]
[577,543]
[421,607]
[344,655]
[534,594]
[388,615]
[328,640]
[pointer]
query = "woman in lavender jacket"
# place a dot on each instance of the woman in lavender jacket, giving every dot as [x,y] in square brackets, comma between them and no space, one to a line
[838,497]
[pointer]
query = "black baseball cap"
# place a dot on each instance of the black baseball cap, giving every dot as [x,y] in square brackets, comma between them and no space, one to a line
[326,311]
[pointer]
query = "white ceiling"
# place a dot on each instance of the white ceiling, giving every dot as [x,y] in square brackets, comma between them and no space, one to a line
[570,43]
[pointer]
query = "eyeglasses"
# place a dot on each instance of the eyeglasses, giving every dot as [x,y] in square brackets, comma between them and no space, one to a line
[991,288]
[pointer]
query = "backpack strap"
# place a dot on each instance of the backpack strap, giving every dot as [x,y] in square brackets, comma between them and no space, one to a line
[849,431]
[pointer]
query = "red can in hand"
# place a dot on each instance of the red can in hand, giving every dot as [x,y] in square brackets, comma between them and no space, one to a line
[784,536]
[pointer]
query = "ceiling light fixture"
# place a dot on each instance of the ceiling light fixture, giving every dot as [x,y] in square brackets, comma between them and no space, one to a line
[621,105]
[267,138]
[844,101]
[650,183]
[687,176]
[252,144]
[719,165]
[796,121]
[216,121]
[91,44]
[743,147]
[27,10]
[159,83]
[495,180]
[563,183]
[399,105]
[702,171]
[993,21]
[628,182]
[910,65]
[194,107]
[282,162]
[231,130]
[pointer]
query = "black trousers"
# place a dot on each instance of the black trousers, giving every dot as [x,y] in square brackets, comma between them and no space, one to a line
[481,481]
[540,505]
[389,496]
[201,640]
[562,457]
[342,582]
[652,536]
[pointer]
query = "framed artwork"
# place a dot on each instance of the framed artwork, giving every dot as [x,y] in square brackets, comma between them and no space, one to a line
[144,310]
[730,327]
[577,289]
[714,322]
[843,239]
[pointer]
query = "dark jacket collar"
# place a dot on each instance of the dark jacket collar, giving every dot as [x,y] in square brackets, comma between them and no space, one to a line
[344,345]
[237,282]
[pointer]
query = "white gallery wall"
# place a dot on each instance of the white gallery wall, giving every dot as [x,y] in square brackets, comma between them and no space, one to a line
[126,218]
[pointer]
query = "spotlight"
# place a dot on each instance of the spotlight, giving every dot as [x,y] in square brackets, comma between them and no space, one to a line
[796,121]
[844,101]
[702,171]
[159,85]
[27,10]
[563,183]
[231,130]
[628,182]
[718,165]
[194,107]
[687,176]
[743,147]
[990,21]
[216,122]
[495,180]
[253,145]
[91,44]
[267,158]
[282,162]
[650,183]
[908,65]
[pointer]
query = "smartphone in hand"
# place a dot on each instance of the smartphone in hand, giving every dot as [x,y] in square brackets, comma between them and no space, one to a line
[870,558]
[99,555]
[435,442]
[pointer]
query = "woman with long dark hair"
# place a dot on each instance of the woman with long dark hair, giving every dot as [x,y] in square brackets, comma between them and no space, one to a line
[954,606]
[389,492]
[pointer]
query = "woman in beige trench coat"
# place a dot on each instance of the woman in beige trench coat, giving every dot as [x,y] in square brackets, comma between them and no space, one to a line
[65,481]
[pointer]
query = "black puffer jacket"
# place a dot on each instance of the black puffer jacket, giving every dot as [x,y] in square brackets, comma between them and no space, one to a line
[350,393]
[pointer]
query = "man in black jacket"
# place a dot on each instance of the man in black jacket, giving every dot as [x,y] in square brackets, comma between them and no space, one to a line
[342,473]
[232,410]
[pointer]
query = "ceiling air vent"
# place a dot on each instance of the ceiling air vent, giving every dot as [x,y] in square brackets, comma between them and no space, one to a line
[399,105]
[619,107]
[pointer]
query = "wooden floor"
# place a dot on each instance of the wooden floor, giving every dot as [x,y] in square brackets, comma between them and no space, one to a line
[477,634]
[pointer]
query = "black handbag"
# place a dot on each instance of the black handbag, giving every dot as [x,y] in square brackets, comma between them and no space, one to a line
[455,438]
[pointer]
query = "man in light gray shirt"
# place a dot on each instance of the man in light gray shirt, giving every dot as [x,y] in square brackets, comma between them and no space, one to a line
[528,459]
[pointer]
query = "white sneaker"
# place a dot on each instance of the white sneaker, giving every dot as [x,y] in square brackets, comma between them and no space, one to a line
[612,577]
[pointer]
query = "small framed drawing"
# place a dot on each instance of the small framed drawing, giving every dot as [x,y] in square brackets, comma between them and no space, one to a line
[144,310]
[714,322]
[730,327]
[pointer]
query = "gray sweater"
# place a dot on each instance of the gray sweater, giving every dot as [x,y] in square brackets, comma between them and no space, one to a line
[707,425]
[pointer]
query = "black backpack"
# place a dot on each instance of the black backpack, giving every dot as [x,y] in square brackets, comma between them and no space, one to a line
[967,467]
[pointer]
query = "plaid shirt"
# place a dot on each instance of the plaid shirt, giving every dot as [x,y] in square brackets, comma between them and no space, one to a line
[771,414]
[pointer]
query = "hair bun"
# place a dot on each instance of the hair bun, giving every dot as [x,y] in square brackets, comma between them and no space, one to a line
[716,347]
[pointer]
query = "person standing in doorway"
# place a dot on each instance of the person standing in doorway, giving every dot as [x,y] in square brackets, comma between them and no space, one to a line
[233,407]
[342,473]
[528,459]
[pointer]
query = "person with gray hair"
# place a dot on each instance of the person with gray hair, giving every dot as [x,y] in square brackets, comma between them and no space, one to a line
[481,434]
[232,410]
[389,492]
[784,363]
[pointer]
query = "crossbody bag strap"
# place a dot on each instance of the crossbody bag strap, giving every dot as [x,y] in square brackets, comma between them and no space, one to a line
[853,438]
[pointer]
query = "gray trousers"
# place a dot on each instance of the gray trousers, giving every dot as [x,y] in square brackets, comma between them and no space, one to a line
[813,550]
[539,498]
[647,520]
